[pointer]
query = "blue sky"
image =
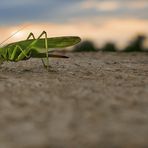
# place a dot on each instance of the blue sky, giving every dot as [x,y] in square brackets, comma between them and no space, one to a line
[74,13]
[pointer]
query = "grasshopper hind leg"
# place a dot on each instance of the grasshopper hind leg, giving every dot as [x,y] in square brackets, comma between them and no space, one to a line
[30,35]
[46,65]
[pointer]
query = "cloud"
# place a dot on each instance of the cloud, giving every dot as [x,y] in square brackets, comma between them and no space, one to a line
[21,11]
[116,8]
[119,31]
[14,12]
[114,5]
[136,4]
[101,6]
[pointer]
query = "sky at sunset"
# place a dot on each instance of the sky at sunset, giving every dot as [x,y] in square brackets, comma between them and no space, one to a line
[98,20]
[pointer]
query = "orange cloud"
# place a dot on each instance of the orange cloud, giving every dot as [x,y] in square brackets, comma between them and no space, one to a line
[116,30]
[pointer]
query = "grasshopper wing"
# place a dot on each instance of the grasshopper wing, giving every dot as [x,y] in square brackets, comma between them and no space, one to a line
[55,42]
[58,42]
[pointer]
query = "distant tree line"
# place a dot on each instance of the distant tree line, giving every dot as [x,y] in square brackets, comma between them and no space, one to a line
[136,45]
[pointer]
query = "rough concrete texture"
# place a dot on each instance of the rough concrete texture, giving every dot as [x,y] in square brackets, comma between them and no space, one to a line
[90,100]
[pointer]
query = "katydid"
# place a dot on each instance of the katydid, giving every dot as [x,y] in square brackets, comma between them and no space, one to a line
[36,48]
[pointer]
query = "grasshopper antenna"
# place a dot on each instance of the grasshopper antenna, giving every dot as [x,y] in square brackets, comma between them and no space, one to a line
[13,34]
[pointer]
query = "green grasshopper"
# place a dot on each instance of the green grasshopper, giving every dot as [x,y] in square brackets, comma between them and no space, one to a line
[36,48]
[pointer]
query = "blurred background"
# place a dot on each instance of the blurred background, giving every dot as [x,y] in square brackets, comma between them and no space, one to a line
[115,24]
